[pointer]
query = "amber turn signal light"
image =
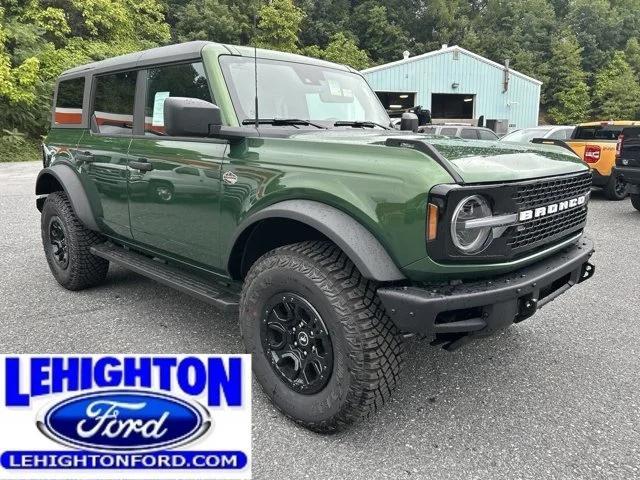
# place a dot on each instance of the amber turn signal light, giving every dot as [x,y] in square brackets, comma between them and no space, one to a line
[432,221]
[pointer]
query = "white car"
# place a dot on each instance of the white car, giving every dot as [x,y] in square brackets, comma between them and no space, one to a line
[525,135]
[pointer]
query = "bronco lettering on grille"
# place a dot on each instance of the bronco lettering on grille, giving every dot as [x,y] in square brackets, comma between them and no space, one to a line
[552,208]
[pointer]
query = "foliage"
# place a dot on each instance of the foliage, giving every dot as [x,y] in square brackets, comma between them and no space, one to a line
[341,50]
[279,26]
[616,92]
[567,98]
[587,52]
[17,147]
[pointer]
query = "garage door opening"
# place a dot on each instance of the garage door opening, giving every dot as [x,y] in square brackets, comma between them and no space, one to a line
[452,105]
[397,102]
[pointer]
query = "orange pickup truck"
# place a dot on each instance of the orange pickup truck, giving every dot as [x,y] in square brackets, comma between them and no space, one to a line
[595,143]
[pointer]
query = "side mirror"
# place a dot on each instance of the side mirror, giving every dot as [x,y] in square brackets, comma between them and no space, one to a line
[191,117]
[409,121]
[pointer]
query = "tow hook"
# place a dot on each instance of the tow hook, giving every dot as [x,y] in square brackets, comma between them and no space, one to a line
[588,269]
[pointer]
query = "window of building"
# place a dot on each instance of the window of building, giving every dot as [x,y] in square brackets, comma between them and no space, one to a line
[68,109]
[113,103]
[184,80]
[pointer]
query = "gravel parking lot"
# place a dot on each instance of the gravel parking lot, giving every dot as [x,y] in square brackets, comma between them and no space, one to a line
[555,397]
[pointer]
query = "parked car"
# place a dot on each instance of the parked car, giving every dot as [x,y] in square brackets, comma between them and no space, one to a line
[525,135]
[595,143]
[628,162]
[331,235]
[460,131]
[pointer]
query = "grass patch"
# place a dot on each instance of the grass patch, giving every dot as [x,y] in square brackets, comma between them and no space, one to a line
[18,148]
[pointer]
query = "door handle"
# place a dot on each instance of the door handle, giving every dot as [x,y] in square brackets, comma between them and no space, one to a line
[86,156]
[141,164]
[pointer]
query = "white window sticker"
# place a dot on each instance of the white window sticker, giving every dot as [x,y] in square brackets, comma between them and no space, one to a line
[158,109]
[125,416]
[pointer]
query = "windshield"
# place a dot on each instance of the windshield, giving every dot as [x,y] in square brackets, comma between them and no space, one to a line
[289,90]
[524,136]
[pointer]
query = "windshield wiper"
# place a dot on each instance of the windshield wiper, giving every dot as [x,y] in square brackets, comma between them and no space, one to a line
[359,124]
[281,121]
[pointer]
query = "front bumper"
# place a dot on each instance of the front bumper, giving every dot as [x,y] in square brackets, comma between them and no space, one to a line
[481,308]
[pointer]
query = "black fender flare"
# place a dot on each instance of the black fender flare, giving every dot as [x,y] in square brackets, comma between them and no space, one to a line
[73,188]
[358,243]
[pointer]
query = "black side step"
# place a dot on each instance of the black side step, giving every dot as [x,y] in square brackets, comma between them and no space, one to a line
[222,297]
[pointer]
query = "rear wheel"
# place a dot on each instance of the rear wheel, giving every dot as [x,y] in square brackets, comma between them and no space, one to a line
[323,348]
[67,245]
[635,201]
[616,188]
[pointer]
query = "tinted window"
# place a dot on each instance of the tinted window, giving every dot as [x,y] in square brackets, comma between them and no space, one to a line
[113,102]
[449,132]
[69,102]
[487,135]
[469,133]
[561,134]
[598,132]
[525,135]
[186,80]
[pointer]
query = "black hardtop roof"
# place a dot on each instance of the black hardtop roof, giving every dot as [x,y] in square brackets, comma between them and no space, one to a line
[166,54]
[183,51]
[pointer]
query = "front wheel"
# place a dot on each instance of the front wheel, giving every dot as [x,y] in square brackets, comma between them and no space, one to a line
[67,244]
[323,348]
[635,201]
[616,188]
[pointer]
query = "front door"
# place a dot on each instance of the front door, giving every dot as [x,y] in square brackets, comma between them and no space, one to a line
[102,151]
[175,183]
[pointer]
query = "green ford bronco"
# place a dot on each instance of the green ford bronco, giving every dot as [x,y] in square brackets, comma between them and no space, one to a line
[290,201]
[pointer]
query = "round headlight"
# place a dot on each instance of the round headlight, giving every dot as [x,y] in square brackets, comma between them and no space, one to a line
[470,240]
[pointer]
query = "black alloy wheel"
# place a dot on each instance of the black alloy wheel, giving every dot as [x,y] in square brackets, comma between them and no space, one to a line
[58,242]
[296,342]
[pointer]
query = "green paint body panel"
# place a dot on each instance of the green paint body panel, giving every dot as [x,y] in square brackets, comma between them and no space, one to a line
[195,220]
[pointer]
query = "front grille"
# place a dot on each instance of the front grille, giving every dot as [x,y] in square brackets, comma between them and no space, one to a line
[539,231]
[536,194]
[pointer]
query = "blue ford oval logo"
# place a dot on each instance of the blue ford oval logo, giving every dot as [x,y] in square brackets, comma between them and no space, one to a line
[120,420]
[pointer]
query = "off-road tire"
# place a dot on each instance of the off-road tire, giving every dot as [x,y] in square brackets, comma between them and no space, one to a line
[367,347]
[635,201]
[612,189]
[84,269]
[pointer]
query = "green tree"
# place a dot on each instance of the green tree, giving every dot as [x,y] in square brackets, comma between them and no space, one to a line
[341,49]
[279,26]
[215,20]
[616,92]
[567,94]
[382,39]
[632,55]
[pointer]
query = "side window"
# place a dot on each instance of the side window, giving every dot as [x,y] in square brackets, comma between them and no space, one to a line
[560,134]
[184,80]
[69,102]
[469,133]
[449,132]
[487,135]
[114,96]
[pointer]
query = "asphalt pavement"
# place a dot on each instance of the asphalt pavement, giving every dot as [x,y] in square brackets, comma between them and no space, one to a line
[557,396]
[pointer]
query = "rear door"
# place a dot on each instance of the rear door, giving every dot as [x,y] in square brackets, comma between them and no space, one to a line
[175,195]
[630,147]
[103,149]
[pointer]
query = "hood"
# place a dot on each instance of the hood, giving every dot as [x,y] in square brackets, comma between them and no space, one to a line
[477,161]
